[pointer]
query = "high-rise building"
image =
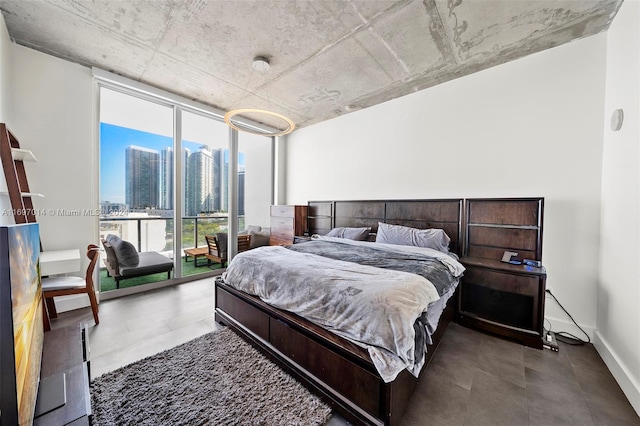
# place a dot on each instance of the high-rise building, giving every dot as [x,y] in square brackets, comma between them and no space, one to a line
[241,191]
[141,179]
[217,179]
[203,182]
[166,179]
[225,183]
[186,152]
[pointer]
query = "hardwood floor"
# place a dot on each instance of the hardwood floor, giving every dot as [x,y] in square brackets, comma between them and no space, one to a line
[474,378]
[143,324]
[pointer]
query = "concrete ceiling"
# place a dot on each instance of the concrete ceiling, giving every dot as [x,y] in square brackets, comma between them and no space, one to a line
[327,57]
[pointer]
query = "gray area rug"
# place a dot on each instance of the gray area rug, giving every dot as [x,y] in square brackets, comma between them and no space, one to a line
[215,379]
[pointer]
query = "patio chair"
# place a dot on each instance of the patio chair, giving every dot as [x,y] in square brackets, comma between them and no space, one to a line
[218,247]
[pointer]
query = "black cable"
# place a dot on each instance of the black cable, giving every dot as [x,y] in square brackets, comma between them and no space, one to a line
[567,337]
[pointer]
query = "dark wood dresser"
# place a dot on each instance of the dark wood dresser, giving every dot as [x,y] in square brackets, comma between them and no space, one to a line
[500,297]
[286,223]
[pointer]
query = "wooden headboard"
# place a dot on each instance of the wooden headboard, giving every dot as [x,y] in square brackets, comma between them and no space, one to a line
[496,225]
[444,214]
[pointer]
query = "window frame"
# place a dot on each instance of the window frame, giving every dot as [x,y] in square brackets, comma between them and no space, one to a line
[107,80]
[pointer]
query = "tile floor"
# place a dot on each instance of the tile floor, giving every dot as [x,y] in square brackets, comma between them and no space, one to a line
[474,378]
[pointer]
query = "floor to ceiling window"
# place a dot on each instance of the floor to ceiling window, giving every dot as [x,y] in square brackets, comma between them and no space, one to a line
[136,135]
[162,158]
[205,160]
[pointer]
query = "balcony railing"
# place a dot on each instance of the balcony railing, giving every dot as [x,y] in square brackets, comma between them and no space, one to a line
[156,233]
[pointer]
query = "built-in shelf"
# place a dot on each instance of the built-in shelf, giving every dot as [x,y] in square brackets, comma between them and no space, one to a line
[20,154]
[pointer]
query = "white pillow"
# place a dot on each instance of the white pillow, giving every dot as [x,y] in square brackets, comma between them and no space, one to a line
[432,238]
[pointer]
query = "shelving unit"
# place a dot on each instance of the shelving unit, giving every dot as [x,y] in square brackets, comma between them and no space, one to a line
[13,158]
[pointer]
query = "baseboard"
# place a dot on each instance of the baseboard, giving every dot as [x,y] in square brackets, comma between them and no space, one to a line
[620,372]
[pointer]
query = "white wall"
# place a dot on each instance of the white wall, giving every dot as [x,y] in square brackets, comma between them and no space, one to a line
[532,127]
[53,116]
[5,61]
[5,102]
[618,318]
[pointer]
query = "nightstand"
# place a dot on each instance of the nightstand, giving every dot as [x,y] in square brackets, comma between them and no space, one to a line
[504,299]
[496,296]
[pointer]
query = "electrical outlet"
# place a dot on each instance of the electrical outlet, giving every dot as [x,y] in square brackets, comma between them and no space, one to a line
[549,342]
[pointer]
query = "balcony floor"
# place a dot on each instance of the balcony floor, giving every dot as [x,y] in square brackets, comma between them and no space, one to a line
[188,269]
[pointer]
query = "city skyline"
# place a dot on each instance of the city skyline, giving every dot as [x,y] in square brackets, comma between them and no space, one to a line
[121,176]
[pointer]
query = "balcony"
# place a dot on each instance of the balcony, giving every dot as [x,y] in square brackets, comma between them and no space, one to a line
[150,233]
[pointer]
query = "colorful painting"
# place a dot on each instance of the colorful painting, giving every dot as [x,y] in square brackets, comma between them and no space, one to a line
[26,301]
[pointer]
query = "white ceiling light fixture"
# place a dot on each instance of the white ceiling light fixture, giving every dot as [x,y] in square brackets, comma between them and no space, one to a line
[261,64]
[232,118]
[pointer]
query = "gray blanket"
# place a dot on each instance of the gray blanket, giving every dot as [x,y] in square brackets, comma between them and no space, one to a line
[380,309]
[426,263]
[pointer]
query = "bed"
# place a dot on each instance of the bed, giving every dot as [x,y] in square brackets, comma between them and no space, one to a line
[341,370]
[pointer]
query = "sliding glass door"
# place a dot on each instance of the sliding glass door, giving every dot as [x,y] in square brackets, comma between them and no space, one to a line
[205,177]
[136,136]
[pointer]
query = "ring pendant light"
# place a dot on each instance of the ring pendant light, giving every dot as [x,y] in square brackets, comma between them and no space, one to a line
[261,64]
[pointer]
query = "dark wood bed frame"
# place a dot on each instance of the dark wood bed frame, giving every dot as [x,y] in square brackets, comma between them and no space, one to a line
[337,370]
